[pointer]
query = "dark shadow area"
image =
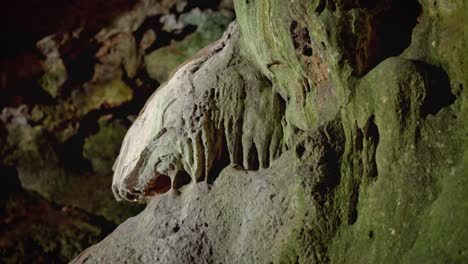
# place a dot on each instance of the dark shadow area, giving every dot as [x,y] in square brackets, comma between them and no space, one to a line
[182,178]
[33,230]
[438,92]
[160,185]
[372,137]
[385,30]
[222,161]
[252,158]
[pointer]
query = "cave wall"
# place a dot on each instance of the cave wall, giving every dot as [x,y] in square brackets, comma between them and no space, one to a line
[73,76]
[373,168]
[370,101]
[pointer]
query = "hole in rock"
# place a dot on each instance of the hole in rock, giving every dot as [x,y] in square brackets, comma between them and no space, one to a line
[438,92]
[371,234]
[396,26]
[160,185]
[176,228]
[307,51]
[301,39]
[300,151]
[385,30]
[182,178]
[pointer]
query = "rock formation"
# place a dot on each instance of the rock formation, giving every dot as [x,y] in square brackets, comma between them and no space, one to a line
[73,76]
[204,116]
[312,132]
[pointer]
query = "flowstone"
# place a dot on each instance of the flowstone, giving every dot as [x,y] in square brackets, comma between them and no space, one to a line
[214,111]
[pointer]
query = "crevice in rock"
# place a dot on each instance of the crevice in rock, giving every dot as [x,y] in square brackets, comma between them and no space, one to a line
[252,158]
[222,161]
[353,203]
[160,185]
[372,136]
[359,139]
[320,7]
[181,179]
[301,39]
[238,147]
[300,150]
[384,31]
[365,143]
[438,92]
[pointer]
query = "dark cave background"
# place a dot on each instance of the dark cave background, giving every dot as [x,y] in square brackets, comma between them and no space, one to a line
[73,76]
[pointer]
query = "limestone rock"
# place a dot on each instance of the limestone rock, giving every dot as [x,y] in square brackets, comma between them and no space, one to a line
[365,112]
[194,121]
[214,224]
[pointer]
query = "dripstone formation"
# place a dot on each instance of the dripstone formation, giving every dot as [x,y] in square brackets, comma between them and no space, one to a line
[311,132]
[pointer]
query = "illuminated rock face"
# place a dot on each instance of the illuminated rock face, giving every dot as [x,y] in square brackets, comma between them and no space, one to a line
[352,113]
[216,110]
[71,83]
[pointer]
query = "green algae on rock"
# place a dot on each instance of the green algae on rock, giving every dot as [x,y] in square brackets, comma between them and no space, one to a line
[372,168]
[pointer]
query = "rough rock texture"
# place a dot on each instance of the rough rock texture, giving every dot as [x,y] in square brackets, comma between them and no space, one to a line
[188,227]
[71,84]
[199,119]
[373,167]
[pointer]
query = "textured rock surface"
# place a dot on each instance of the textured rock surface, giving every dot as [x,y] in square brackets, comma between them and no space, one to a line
[71,83]
[200,118]
[211,223]
[373,164]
